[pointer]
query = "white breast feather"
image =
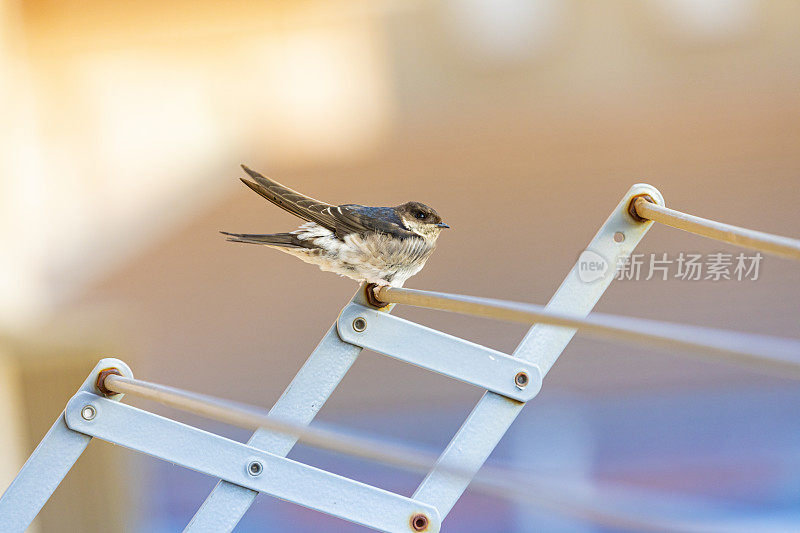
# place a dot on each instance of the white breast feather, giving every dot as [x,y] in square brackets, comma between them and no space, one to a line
[375,258]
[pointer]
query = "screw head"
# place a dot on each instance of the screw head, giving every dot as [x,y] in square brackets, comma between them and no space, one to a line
[360,324]
[521,380]
[619,237]
[88,412]
[255,468]
[419,522]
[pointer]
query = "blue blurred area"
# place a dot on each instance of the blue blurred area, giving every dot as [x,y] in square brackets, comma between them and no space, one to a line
[730,455]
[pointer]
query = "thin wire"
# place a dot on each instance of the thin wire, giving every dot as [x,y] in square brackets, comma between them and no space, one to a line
[763,352]
[747,238]
[246,416]
[553,495]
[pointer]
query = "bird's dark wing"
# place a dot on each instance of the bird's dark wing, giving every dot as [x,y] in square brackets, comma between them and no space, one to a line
[342,219]
[352,218]
[292,201]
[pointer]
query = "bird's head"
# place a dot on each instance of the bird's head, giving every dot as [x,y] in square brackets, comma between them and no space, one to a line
[421,219]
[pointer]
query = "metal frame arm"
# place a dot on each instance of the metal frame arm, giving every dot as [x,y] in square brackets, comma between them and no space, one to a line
[300,403]
[261,465]
[245,466]
[49,463]
[543,344]
[433,350]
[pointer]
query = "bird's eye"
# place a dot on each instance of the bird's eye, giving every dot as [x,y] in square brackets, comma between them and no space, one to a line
[420,215]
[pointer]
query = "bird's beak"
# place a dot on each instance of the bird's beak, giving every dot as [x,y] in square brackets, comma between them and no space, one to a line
[442,225]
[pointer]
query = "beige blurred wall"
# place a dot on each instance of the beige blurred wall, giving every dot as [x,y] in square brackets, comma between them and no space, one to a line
[521,211]
[13,436]
[125,116]
[524,144]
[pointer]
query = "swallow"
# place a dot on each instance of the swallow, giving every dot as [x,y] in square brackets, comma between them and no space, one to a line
[380,245]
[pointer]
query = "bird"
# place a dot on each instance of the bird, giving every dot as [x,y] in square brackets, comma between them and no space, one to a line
[375,245]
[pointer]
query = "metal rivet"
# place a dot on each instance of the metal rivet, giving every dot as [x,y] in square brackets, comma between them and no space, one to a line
[419,522]
[521,380]
[619,237]
[88,412]
[255,468]
[360,324]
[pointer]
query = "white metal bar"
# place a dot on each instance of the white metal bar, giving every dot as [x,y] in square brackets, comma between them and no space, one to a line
[551,494]
[764,352]
[439,352]
[747,238]
[493,415]
[246,466]
[591,503]
[300,402]
[249,417]
[48,464]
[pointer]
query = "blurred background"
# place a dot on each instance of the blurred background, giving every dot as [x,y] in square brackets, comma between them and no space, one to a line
[522,121]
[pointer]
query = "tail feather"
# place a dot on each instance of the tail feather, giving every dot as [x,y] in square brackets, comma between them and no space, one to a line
[288,240]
